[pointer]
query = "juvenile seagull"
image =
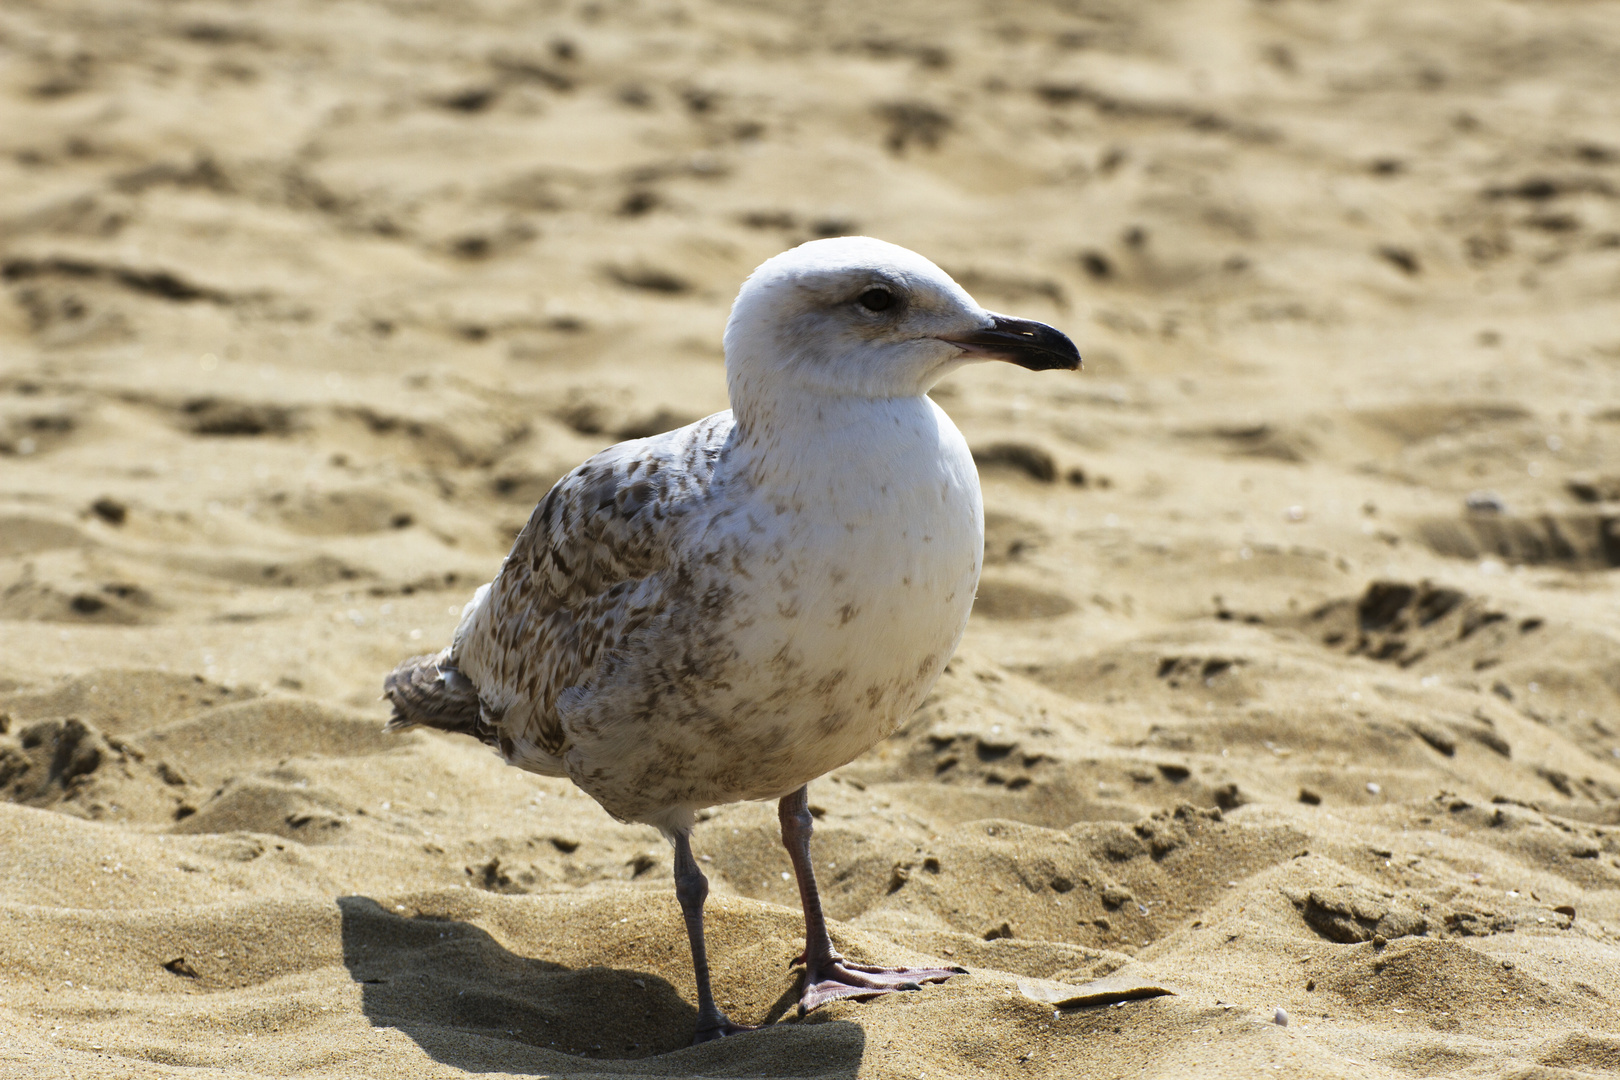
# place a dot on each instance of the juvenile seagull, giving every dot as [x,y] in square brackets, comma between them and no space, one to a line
[731,609]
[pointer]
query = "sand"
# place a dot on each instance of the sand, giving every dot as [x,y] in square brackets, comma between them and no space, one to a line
[1294,679]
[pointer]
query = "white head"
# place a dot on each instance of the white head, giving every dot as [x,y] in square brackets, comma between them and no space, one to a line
[858,317]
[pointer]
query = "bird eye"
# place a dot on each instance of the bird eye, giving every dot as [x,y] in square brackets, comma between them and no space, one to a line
[876,299]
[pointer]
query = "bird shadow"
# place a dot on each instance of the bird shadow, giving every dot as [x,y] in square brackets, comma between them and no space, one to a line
[470,1003]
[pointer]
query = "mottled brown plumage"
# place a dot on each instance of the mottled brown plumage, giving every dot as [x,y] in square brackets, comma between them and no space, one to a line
[430,691]
[590,568]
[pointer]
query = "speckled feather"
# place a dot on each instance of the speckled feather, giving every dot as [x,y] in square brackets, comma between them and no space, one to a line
[579,580]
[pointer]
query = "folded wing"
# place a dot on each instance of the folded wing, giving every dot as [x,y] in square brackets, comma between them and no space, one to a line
[586,572]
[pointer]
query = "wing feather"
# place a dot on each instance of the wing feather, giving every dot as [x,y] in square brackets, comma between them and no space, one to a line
[586,572]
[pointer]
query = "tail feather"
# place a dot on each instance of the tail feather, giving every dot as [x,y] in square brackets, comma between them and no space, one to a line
[431,691]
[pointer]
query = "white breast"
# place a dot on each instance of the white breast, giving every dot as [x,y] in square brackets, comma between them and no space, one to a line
[863,597]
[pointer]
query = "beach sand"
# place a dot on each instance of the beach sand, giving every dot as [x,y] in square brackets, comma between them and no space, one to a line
[1293,681]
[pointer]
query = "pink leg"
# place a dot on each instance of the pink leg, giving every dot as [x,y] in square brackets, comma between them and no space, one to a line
[692,888]
[828,976]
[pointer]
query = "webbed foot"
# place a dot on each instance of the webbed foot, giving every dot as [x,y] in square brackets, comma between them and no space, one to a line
[838,978]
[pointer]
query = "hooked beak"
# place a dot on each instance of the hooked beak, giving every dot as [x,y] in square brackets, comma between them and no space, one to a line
[1024,342]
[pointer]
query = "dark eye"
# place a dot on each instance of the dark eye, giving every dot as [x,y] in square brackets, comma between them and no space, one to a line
[876,299]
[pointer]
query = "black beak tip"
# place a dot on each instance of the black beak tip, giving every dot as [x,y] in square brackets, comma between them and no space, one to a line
[1032,345]
[1039,362]
[1035,345]
[1052,353]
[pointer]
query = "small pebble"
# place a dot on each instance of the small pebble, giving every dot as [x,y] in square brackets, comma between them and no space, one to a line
[1372,788]
[1280,1017]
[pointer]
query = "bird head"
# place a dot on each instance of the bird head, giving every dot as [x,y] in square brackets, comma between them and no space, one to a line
[854,316]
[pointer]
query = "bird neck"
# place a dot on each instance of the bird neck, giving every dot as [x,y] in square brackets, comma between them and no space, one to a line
[810,439]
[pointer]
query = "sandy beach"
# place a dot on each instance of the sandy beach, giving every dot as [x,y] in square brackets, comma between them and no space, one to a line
[1292,684]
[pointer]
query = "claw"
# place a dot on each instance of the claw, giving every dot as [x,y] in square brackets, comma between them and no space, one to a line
[720,1032]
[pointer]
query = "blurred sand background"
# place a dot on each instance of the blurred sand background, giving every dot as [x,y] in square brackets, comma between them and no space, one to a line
[1294,680]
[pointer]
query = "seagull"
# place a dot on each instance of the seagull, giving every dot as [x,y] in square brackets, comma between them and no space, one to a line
[726,611]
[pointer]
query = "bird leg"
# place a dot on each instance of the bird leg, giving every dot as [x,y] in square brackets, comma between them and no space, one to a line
[827,975]
[692,888]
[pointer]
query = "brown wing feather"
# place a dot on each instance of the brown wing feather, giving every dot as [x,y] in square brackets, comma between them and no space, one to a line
[583,576]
